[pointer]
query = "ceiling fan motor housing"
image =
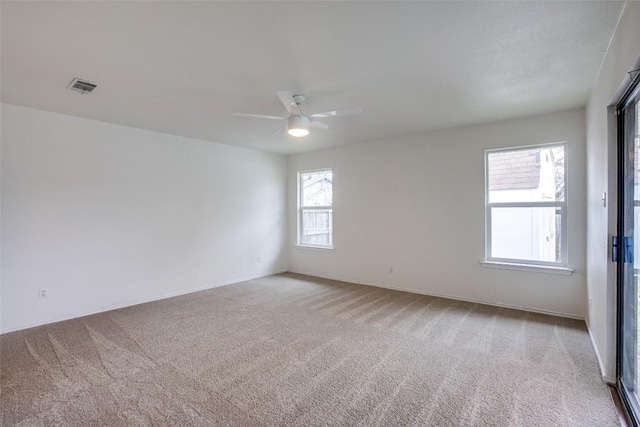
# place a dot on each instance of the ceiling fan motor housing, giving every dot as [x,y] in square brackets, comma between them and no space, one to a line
[298,122]
[298,126]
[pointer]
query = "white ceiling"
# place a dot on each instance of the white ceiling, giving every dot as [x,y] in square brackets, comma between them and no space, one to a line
[184,67]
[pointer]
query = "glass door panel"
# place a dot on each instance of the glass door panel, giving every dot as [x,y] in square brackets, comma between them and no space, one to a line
[629,265]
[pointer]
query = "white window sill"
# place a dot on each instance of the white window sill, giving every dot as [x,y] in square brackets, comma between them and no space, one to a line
[315,248]
[528,267]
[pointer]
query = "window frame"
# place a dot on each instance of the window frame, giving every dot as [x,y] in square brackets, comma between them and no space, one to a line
[302,209]
[559,205]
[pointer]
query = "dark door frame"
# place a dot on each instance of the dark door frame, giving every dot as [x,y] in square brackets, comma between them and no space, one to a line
[631,94]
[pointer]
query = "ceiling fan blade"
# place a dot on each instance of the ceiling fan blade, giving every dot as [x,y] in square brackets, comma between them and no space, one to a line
[334,113]
[324,126]
[286,97]
[281,129]
[258,116]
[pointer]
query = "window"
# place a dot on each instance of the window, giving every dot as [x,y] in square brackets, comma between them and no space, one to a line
[526,207]
[315,208]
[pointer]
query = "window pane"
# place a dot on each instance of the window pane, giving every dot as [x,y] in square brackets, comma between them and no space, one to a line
[530,175]
[316,227]
[526,233]
[317,188]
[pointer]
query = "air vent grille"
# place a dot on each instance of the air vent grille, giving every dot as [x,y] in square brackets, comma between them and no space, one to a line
[82,86]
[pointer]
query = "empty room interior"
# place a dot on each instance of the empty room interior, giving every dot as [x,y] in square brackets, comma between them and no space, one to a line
[172,253]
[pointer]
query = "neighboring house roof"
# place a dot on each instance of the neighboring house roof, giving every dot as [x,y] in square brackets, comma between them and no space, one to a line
[514,170]
[315,179]
[317,190]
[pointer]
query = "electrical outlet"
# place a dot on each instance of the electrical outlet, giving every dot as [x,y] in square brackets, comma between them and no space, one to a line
[258,258]
[42,293]
[391,270]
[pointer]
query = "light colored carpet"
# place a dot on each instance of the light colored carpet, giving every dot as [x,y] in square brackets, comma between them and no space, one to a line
[292,350]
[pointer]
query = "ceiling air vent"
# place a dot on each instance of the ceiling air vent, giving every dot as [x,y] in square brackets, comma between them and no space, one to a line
[82,86]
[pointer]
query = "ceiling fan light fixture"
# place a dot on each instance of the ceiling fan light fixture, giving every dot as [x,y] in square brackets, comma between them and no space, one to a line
[298,126]
[298,132]
[298,123]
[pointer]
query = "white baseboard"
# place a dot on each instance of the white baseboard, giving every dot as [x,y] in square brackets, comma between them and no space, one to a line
[142,301]
[608,379]
[433,294]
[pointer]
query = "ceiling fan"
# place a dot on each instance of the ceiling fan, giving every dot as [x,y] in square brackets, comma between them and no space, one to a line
[298,123]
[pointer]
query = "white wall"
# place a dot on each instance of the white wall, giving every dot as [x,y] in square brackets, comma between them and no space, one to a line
[102,215]
[417,204]
[601,172]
